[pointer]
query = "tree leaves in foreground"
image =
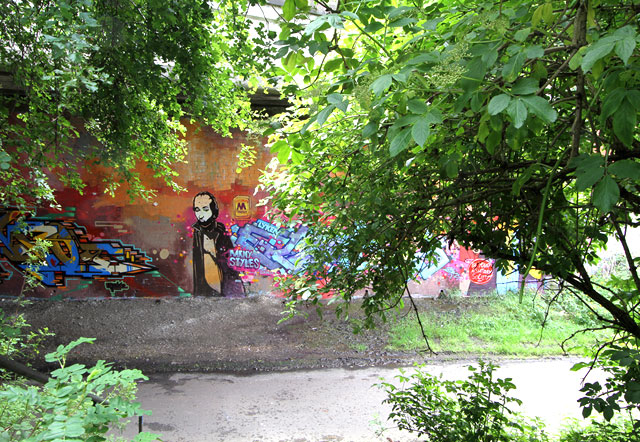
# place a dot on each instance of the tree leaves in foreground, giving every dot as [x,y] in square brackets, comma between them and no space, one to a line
[119,75]
[78,403]
[510,127]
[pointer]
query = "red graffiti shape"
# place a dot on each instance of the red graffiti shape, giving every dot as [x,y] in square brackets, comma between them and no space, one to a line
[480,271]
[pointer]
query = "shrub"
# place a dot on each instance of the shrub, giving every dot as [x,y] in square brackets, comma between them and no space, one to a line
[617,430]
[476,409]
[78,404]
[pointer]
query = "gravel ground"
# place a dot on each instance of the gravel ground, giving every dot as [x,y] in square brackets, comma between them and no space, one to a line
[210,335]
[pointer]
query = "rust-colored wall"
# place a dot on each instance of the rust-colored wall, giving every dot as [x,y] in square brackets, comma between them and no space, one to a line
[159,231]
[106,246]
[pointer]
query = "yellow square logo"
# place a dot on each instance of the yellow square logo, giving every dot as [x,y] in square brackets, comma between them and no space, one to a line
[242,207]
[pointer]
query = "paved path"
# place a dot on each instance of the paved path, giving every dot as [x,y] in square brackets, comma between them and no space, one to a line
[323,405]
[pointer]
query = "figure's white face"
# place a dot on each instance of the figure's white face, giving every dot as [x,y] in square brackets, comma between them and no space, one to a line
[202,208]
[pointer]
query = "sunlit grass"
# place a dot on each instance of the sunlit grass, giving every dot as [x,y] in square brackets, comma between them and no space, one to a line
[498,324]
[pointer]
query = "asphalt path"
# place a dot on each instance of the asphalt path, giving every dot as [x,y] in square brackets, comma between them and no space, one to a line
[326,405]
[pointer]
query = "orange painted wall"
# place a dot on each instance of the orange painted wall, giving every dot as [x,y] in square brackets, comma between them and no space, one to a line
[110,246]
[162,228]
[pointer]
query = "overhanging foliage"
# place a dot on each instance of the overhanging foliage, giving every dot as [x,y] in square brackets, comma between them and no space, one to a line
[509,126]
[121,74]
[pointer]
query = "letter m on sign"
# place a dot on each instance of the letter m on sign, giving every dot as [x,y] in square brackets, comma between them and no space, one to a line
[241,207]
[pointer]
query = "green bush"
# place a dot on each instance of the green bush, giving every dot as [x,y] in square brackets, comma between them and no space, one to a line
[476,409]
[617,430]
[16,340]
[78,404]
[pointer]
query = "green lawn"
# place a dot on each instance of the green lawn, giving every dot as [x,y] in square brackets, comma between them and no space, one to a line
[499,324]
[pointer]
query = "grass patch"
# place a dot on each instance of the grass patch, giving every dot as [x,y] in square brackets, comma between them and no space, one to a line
[498,324]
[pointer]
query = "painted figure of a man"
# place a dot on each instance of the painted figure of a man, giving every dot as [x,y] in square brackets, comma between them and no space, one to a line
[212,275]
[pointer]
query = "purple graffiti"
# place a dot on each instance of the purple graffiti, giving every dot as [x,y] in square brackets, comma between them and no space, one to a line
[265,243]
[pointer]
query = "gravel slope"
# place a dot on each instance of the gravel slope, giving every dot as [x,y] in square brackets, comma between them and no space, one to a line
[208,334]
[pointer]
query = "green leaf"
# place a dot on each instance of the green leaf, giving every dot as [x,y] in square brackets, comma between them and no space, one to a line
[586,162]
[536,51]
[370,129]
[373,27]
[315,25]
[335,21]
[324,114]
[401,77]
[146,437]
[624,122]
[477,100]
[587,178]
[606,194]
[625,169]
[420,131]
[451,168]
[522,34]
[611,103]
[278,145]
[513,66]
[289,62]
[405,120]
[596,51]
[428,57]
[537,16]
[493,141]
[525,86]
[417,106]
[394,12]
[338,101]
[434,116]
[541,108]
[498,104]
[62,350]
[404,21]
[483,132]
[607,413]
[283,154]
[289,9]
[400,142]
[624,32]
[624,48]
[381,84]
[475,73]
[490,58]
[589,170]
[576,60]
[633,95]
[547,12]
[297,157]
[518,112]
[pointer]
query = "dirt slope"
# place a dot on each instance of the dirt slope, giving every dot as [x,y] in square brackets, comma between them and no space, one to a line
[209,334]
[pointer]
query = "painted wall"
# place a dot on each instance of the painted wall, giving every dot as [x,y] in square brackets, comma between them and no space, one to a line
[214,239]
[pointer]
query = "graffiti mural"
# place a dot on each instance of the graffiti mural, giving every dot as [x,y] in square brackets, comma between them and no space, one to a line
[263,245]
[455,268]
[72,253]
[212,275]
[201,244]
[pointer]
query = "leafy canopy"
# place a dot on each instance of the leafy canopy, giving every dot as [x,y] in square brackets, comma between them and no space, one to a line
[121,75]
[510,127]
